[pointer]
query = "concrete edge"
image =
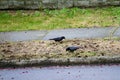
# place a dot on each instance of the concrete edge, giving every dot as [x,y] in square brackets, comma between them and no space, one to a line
[60,61]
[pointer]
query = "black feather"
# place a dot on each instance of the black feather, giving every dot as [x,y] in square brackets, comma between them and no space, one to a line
[57,39]
[72,48]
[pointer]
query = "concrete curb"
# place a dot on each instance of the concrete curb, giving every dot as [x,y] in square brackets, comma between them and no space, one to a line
[60,61]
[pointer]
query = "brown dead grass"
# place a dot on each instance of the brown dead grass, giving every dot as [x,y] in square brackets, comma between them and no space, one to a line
[51,49]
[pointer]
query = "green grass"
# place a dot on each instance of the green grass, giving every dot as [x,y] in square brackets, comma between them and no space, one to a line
[59,19]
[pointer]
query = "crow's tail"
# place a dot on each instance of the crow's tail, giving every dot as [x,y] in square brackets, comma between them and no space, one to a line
[51,39]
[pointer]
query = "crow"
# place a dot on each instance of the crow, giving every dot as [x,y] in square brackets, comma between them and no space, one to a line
[58,39]
[72,48]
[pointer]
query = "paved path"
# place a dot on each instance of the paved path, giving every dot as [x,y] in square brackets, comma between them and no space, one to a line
[22,36]
[68,33]
[83,33]
[100,72]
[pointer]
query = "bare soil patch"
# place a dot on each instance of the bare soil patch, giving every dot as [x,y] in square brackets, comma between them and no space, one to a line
[27,50]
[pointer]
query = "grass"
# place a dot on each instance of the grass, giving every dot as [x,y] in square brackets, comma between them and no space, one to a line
[59,19]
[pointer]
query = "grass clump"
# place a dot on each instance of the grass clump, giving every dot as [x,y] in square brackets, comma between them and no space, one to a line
[59,19]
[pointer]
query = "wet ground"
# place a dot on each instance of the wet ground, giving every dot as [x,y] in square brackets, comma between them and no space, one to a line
[68,33]
[98,72]
[22,36]
[82,33]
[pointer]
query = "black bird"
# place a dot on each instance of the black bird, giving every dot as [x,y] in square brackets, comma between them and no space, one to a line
[58,39]
[72,48]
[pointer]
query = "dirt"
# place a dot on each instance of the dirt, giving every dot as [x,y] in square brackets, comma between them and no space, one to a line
[50,49]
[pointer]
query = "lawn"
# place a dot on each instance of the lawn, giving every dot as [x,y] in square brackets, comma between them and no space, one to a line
[59,19]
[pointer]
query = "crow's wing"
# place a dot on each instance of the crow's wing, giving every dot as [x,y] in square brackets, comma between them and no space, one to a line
[56,39]
[53,39]
[74,48]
